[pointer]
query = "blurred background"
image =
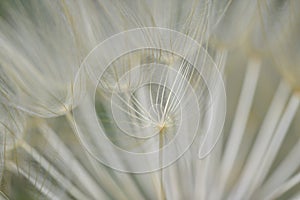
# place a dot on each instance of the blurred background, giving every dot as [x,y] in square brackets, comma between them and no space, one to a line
[255,44]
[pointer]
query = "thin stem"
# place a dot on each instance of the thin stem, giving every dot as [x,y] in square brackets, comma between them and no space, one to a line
[161,144]
[63,181]
[284,187]
[77,169]
[285,170]
[275,144]
[263,139]
[239,122]
[33,180]
[113,186]
[3,196]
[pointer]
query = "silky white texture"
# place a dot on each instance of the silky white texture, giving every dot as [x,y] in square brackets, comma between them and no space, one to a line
[264,163]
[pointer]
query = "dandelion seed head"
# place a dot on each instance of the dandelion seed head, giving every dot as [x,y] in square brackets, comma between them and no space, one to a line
[118,86]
